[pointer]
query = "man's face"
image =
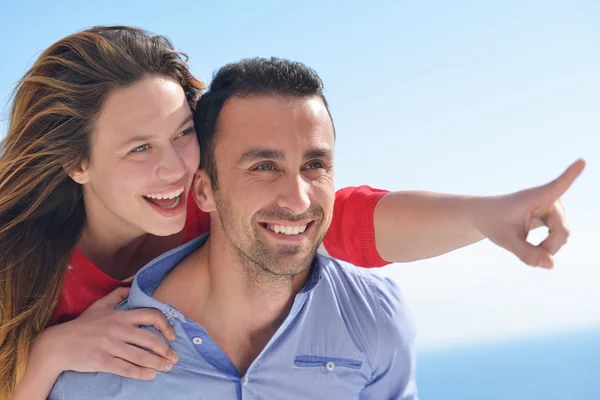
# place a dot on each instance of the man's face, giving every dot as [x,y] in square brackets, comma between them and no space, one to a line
[144,153]
[275,193]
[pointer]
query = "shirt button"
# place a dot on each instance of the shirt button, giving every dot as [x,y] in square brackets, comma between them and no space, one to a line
[197,340]
[330,366]
[173,313]
[169,318]
[245,381]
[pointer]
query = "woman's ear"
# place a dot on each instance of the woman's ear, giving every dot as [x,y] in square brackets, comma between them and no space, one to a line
[78,172]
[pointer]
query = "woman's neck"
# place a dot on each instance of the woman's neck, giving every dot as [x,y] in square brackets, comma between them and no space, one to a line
[119,253]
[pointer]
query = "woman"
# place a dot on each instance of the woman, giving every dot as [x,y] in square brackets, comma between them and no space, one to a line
[94,177]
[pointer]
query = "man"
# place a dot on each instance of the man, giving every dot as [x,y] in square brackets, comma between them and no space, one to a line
[256,312]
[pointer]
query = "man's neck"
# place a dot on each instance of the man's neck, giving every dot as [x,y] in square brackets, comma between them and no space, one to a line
[240,307]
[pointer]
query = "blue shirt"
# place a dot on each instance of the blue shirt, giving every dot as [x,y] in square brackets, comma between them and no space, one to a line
[348,335]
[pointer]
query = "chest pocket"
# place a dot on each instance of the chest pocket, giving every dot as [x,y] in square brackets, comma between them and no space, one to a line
[329,364]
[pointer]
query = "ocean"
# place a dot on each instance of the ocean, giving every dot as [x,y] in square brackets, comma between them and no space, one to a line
[557,367]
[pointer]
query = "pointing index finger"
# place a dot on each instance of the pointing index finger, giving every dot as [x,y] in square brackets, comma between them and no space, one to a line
[561,184]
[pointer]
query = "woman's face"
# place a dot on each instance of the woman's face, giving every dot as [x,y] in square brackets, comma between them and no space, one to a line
[144,153]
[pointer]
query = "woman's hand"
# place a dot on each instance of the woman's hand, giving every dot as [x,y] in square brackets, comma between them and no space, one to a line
[104,340]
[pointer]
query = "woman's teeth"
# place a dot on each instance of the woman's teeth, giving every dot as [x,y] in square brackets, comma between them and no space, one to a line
[175,203]
[167,200]
[165,196]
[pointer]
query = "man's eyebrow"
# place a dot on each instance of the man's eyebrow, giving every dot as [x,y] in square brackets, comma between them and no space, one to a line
[270,154]
[147,138]
[318,153]
[260,154]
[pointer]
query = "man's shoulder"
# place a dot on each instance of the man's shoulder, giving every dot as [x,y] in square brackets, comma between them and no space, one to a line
[378,298]
[89,385]
[368,285]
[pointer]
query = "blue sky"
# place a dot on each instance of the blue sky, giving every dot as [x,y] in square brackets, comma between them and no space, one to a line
[459,97]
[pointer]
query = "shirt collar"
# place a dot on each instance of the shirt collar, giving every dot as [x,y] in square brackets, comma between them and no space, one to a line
[150,276]
[315,276]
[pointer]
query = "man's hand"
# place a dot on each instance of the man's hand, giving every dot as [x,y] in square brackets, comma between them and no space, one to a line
[507,220]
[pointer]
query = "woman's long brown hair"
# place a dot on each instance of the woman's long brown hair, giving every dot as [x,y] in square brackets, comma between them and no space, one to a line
[41,208]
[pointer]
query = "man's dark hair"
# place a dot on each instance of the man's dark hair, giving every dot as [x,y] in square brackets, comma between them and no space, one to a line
[262,76]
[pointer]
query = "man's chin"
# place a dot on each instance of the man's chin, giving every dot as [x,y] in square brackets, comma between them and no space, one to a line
[294,253]
[289,271]
[289,264]
[284,258]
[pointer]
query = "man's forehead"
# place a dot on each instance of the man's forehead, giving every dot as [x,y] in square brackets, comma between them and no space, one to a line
[253,106]
[289,124]
[264,115]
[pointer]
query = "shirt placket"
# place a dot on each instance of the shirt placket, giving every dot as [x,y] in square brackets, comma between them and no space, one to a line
[249,390]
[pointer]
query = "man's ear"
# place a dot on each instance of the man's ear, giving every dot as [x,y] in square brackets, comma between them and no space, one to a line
[202,192]
[78,172]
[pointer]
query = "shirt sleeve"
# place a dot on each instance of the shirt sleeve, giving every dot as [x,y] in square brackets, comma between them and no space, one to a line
[351,236]
[394,364]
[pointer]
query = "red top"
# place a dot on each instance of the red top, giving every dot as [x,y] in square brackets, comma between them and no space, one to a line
[351,238]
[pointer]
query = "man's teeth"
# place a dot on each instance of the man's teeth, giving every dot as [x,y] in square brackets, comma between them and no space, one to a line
[165,196]
[287,230]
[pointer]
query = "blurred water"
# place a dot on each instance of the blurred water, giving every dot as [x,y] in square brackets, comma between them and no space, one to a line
[561,367]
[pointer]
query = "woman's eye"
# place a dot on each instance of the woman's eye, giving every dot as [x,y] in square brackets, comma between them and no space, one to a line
[187,132]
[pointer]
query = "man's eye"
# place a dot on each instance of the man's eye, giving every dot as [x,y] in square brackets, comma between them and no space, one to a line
[141,148]
[315,165]
[265,167]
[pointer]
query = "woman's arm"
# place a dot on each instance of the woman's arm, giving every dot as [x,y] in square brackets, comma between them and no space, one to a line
[99,340]
[42,371]
[372,227]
